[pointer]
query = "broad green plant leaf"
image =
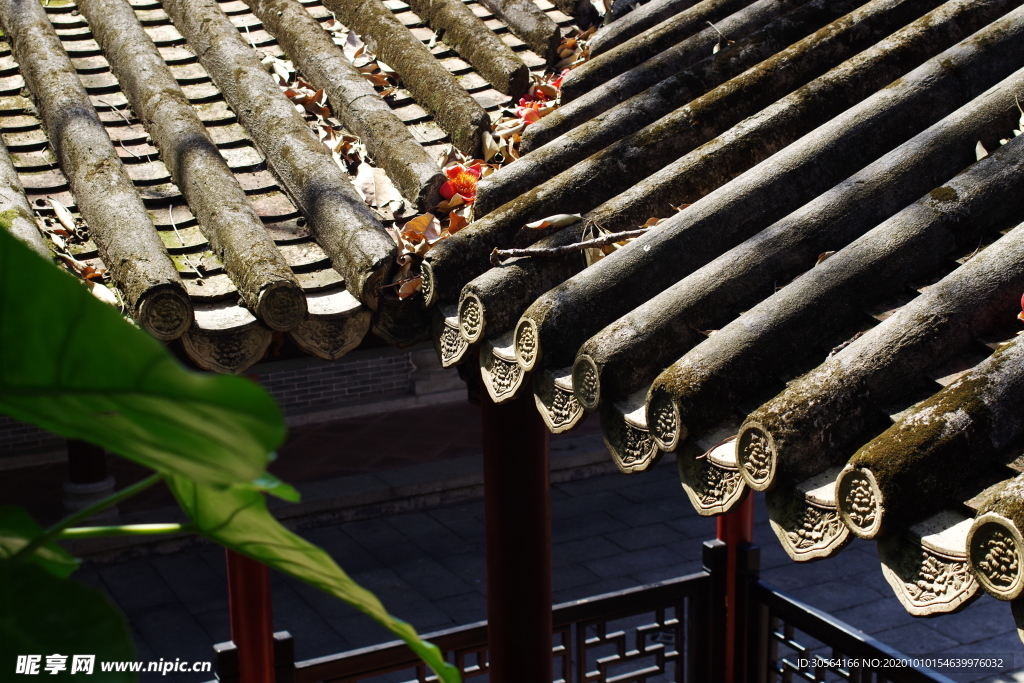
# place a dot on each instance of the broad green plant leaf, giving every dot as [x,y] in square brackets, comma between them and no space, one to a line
[44,615]
[72,365]
[17,529]
[268,483]
[238,518]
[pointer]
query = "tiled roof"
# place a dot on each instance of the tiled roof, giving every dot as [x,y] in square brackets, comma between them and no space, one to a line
[230,220]
[837,222]
[825,312]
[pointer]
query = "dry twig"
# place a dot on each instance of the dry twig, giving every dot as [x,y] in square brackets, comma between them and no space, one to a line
[497,255]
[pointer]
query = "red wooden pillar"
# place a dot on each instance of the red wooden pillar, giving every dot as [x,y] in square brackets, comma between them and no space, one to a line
[517,504]
[252,618]
[734,528]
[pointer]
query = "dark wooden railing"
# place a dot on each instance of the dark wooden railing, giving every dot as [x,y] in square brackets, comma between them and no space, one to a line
[653,631]
[669,631]
[804,643]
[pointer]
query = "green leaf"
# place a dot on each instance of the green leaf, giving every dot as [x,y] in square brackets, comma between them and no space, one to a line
[238,518]
[268,483]
[72,365]
[17,529]
[44,615]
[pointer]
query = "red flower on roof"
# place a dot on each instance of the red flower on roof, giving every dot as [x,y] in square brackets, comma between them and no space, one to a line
[540,94]
[461,181]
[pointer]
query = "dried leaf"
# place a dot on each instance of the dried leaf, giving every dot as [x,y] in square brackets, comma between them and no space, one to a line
[385,192]
[410,238]
[979,151]
[282,71]
[364,183]
[546,90]
[592,255]
[823,256]
[449,204]
[102,293]
[510,128]
[456,223]
[425,225]
[340,161]
[313,102]
[556,221]
[490,146]
[379,80]
[419,248]
[63,215]
[450,156]
[395,235]
[409,287]
[80,268]
[354,46]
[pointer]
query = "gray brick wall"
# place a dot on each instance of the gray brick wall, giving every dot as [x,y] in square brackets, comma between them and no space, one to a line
[318,386]
[300,386]
[18,438]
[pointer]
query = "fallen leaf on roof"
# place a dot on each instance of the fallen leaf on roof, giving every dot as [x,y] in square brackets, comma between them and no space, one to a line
[456,223]
[408,287]
[385,192]
[500,147]
[282,71]
[102,293]
[491,146]
[364,184]
[556,221]
[379,80]
[354,46]
[426,226]
[63,215]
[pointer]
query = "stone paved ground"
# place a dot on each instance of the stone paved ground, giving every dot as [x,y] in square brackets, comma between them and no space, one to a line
[610,532]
